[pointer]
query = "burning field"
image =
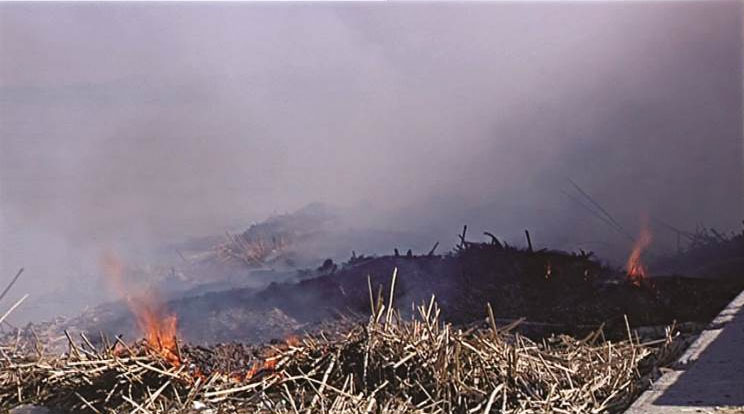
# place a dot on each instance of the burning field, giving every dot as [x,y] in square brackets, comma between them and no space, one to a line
[373,208]
[498,329]
[387,365]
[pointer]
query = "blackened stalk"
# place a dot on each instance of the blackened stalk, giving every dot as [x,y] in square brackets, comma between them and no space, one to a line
[10,285]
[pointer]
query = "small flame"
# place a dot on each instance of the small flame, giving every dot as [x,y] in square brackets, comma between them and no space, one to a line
[158,327]
[636,269]
[292,340]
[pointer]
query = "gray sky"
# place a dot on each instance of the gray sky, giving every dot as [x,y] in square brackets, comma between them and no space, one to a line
[128,124]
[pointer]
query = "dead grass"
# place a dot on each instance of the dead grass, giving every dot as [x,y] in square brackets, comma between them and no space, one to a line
[388,365]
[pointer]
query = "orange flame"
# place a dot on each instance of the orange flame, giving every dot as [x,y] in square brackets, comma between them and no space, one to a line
[158,327]
[635,268]
[292,340]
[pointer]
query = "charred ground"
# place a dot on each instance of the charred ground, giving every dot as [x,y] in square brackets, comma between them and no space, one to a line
[554,291]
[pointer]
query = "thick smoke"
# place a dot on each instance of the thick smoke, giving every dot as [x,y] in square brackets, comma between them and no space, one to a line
[124,126]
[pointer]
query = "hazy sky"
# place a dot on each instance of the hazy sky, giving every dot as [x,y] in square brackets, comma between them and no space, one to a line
[127,124]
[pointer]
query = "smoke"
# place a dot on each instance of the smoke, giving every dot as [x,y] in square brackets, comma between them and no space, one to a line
[124,126]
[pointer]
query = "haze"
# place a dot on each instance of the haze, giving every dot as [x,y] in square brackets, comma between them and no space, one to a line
[129,125]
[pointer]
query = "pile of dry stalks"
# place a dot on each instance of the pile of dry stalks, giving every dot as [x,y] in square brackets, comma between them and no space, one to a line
[388,365]
[252,252]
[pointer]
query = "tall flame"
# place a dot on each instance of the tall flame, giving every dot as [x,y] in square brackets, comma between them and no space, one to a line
[157,325]
[635,268]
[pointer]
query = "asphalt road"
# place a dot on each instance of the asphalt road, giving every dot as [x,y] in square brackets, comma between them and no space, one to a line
[709,377]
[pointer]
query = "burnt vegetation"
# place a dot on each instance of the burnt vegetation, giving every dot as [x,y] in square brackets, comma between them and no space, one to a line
[498,328]
[390,364]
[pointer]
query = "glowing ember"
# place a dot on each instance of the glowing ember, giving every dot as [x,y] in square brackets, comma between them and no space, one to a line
[265,366]
[158,327]
[636,269]
[292,340]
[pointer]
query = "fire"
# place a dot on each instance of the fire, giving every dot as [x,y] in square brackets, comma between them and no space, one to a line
[635,268]
[160,328]
[270,360]
[157,325]
[292,340]
[265,366]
